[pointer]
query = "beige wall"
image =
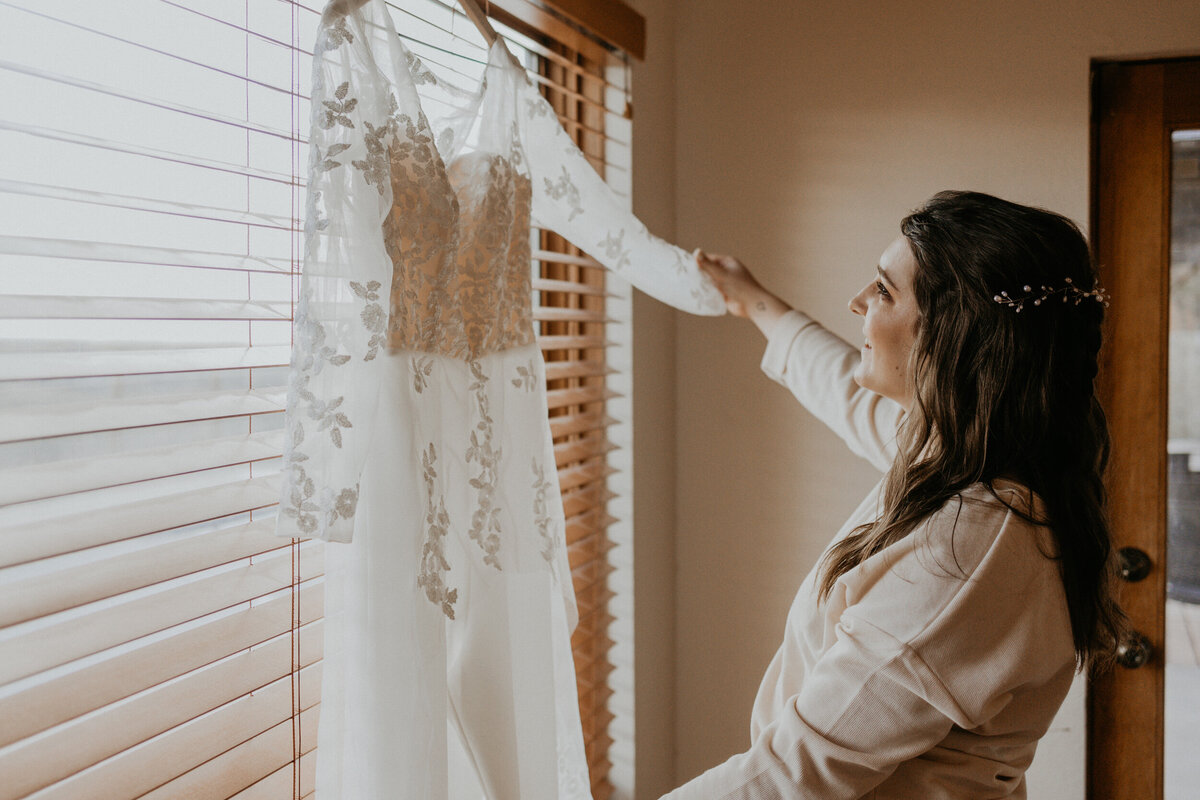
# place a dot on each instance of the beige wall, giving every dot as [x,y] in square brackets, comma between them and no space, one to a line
[654,416]
[804,131]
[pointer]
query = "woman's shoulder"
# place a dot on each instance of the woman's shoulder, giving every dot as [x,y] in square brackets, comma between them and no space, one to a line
[1002,493]
[994,503]
[987,547]
[999,524]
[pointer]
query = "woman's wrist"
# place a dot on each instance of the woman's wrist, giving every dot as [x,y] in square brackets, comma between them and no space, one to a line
[765,310]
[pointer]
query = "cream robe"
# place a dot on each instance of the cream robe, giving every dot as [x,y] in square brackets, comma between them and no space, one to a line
[935,665]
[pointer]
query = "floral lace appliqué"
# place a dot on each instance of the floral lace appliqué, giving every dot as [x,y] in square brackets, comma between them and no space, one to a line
[336,35]
[302,502]
[326,162]
[485,522]
[615,250]
[434,566]
[317,352]
[421,74]
[326,415]
[336,111]
[526,377]
[422,368]
[541,515]
[373,317]
[305,507]
[565,188]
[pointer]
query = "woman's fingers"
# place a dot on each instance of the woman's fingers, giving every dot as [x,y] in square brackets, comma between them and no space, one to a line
[731,278]
[744,295]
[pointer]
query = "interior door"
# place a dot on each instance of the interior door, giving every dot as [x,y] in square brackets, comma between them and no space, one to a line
[1146,146]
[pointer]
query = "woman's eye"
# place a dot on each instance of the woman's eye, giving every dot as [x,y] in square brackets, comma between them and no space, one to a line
[881,289]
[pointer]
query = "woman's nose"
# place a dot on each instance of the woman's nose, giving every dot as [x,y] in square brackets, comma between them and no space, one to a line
[856,304]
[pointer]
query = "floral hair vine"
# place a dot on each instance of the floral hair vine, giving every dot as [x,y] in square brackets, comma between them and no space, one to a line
[1069,291]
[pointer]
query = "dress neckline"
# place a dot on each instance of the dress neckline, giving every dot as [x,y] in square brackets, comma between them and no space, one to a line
[497,56]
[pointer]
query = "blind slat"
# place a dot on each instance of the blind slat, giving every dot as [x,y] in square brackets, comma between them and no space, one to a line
[568,287]
[550,314]
[165,105]
[593,625]
[126,253]
[58,478]
[591,590]
[26,542]
[70,137]
[249,762]
[53,364]
[45,421]
[573,477]
[280,782]
[70,693]
[559,370]
[79,743]
[256,219]
[111,571]
[551,257]
[578,71]
[99,627]
[149,765]
[582,449]
[593,668]
[168,52]
[27,306]
[584,498]
[583,395]
[586,538]
[572,95]
[572,342]
[567,424]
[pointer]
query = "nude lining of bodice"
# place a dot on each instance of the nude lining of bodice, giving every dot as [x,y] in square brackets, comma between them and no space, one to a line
[461,283]
[458,238]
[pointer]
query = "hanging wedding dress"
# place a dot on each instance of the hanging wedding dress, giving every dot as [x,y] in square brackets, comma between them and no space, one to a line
[417,435]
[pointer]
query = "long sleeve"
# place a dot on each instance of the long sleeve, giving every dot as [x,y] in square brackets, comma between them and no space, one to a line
[818,368]
[962,626]
[341,317]
[571,199]
[869,704]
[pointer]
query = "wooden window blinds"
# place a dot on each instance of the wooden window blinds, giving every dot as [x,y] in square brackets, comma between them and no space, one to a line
[156,640]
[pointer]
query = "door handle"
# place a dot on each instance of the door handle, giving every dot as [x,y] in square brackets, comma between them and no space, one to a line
[1134,564]
[1134,651]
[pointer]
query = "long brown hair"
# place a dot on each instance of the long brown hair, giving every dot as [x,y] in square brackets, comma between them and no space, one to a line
[997,393]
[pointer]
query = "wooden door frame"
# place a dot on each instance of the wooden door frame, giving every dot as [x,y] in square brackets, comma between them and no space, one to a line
[1136,106]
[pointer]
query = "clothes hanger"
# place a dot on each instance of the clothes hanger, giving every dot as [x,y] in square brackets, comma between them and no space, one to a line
[340,8]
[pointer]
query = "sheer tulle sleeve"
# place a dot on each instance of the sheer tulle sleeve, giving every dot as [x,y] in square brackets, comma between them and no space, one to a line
[571,199]
[341,317]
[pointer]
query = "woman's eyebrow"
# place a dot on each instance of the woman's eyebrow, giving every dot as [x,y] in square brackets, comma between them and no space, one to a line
[883,274]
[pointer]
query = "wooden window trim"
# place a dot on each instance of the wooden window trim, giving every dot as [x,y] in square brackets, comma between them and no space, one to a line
[610,21]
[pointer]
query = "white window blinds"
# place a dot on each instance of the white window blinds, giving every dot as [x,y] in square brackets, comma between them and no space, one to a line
[155,639]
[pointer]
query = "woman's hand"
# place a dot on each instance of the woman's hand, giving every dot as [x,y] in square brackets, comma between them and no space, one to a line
[744,295]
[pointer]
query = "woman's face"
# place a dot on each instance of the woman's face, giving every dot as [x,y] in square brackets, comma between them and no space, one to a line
[889,312]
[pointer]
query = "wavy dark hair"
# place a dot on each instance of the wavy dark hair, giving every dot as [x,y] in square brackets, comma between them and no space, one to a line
[997,393]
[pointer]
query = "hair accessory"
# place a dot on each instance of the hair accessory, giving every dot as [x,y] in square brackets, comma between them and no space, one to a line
[1068,292]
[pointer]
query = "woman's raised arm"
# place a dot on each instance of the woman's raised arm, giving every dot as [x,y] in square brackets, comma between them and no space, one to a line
[815,365]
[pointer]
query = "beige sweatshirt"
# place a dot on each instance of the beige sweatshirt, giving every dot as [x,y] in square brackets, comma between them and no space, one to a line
[935,666]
